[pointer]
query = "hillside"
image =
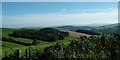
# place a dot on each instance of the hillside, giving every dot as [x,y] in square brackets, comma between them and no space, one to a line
[109,28]
[7,31]
[106,28]
[8,45]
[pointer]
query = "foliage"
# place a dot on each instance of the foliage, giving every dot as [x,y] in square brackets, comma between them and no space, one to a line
[99,47]
[46,34]
[18,42]
[87,32]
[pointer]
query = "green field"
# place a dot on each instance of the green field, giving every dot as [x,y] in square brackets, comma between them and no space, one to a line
[7,47]
[7,31]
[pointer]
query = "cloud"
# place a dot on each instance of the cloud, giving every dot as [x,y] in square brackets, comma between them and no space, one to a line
[53,19]
[88,10]
[63,9]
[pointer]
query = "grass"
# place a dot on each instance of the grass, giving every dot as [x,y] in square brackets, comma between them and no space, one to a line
[23,40]
[6,48]
[7,31]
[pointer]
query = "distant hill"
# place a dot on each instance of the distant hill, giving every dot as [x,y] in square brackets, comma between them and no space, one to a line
[106,28]
[97,25]
[109,28]
[69,27]
[94,27]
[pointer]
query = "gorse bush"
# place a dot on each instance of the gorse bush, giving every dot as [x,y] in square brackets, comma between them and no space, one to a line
[99,47]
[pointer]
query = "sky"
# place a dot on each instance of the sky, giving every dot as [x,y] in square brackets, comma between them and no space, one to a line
[60,0]
[35,14]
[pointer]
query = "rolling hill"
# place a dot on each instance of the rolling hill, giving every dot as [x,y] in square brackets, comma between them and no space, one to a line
[109,28]
[70,27]
[6,46]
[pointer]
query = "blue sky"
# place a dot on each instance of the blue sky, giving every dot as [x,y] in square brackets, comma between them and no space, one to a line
[31,14]
[60,0]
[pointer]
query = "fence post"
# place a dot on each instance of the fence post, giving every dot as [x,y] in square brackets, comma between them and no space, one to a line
[27,53]
[18,52]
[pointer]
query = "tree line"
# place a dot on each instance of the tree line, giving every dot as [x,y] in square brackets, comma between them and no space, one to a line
[45,34]
[88,32]
[34,42]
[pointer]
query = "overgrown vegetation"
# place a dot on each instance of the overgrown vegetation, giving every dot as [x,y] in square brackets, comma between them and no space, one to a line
[99,47]
[46,34]
[87,32]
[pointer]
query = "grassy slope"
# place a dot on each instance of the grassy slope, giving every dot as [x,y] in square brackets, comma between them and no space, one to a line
[7,31]
[6,48]
[8,45]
